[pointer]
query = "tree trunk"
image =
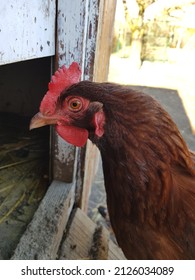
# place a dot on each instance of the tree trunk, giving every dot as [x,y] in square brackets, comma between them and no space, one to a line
[136,48]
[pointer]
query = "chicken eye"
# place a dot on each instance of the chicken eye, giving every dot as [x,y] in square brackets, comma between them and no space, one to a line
[75,104]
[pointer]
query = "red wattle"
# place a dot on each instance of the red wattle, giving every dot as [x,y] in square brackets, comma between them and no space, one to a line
[73,135]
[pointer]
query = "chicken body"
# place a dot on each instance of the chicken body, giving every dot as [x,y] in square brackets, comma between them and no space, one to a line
[149,174]
[148,170]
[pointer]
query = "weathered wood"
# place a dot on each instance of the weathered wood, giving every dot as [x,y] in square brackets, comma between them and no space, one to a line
[70,32]
[92,156]
[90,38]
[84,240]
[63,159]
[26,31]
[103,26]
[69,44]
[99,247]
[43,235]
[115,253]
[76,39]
[104,39]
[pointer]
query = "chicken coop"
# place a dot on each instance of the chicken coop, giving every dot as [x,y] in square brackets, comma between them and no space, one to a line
[45,182]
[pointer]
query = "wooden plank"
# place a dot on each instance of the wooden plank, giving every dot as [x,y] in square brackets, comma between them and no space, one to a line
[99,247]
[92,157]
[102,26]
[76,38]
[70,29]
[90,38]
[115,253]
[69,47]
[63,159]
[26,31]
[104,39]
[85,168]
[85,240]
[43,235]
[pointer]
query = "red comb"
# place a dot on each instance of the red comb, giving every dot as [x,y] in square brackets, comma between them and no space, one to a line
[62,79]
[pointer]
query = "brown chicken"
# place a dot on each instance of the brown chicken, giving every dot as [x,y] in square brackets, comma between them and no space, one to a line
[148,170]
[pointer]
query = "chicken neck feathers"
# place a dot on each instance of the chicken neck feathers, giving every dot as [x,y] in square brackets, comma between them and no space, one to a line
[149,174]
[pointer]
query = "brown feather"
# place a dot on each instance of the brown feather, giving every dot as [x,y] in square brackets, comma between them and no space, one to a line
[149,173]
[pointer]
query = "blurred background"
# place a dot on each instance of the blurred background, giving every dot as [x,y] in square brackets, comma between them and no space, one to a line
[154,45]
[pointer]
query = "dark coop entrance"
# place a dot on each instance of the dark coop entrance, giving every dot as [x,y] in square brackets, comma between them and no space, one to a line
[24,154]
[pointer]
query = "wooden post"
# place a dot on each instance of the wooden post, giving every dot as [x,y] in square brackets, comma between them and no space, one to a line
[76,39]
[104,39]
[100,73]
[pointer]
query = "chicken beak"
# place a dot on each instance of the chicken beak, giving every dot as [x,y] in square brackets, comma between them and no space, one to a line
[40,120]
